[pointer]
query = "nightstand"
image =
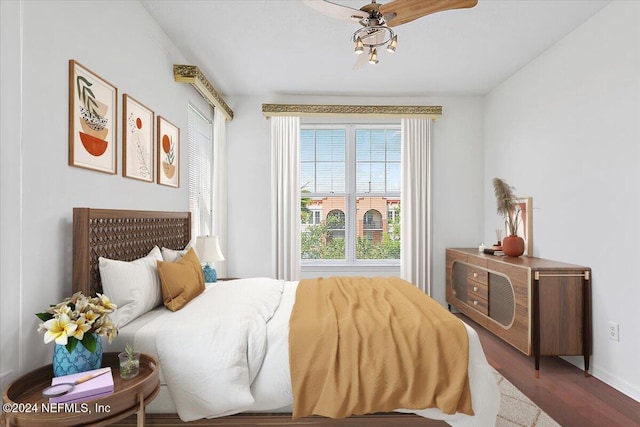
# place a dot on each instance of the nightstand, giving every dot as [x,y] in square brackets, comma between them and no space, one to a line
[24,405]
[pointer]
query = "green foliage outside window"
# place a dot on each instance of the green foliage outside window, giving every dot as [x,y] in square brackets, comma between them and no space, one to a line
[319,242]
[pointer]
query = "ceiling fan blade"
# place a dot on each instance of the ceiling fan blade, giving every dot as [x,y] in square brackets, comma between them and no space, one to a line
[338,11]
[409,10]
[362,60]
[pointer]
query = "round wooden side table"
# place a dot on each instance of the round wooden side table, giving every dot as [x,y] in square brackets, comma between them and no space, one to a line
[24,405]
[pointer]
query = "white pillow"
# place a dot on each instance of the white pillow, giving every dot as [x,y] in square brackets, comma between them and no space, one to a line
[173,255]
[133,286]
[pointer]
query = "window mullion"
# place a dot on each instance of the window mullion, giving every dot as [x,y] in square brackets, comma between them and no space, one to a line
[350,173]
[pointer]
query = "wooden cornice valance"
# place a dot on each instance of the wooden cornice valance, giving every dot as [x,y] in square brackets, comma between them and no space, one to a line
[430,112]
[192,74]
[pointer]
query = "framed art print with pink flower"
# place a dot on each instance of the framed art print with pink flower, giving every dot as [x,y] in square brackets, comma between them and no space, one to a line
[168,149]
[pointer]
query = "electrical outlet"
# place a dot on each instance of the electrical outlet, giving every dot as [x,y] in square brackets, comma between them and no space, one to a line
[614,331]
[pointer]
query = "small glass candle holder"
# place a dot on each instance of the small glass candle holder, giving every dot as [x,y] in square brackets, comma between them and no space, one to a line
[129,365]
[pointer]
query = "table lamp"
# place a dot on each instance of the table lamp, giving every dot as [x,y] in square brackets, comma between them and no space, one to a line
[208,249]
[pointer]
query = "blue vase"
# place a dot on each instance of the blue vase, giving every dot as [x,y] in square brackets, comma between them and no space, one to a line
[79,360]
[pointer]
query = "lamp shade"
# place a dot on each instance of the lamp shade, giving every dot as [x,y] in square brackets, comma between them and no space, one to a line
[208,249]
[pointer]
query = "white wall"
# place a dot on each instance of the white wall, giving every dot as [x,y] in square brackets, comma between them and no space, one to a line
[10,185]
[119,41]
[457,179]
[566,130]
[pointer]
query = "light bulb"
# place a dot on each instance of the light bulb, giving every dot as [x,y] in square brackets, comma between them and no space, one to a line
[393,44]
[373,56]
[359,46]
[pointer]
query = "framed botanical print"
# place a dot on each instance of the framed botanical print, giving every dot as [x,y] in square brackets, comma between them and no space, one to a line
[93,105]
[168,149]
[137,139]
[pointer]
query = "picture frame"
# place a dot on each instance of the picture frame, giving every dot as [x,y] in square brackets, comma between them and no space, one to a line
[93,127]
[137,139]
[525,223]
[168,153]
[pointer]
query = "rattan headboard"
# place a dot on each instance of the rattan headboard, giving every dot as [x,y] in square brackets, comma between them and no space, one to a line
[124,235]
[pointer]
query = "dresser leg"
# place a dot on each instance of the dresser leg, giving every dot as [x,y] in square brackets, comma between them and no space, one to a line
[536,323]
[586,319]
[586,366]
[449,305]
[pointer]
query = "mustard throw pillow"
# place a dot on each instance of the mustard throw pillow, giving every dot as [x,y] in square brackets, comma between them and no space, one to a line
[181,281]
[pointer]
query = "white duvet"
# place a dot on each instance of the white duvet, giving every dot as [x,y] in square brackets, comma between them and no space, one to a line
[227,352]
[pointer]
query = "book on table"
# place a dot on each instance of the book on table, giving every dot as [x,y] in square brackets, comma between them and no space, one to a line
[95,388]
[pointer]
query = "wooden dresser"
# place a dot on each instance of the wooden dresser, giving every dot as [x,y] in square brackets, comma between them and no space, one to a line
[541,307]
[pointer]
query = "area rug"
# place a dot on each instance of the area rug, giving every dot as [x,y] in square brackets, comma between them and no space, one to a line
[517,410]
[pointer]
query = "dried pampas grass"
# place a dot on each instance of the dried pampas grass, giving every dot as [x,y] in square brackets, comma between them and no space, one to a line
[507,204]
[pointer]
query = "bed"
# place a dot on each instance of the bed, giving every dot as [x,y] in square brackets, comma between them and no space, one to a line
[131,235]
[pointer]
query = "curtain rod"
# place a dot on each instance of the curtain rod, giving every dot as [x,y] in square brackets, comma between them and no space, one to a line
[431,112]
[192,75]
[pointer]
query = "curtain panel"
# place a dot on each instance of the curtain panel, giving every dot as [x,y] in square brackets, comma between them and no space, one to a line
[415,187]
[285,193]
[220,186]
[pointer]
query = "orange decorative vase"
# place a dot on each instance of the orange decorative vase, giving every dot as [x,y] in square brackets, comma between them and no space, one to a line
[513,246]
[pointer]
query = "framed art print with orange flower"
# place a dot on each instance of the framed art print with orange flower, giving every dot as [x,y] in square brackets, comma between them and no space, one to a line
[93,109]
[137,140]
[168,149]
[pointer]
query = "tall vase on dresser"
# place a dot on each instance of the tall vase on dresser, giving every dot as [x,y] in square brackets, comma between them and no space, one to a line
[80,359]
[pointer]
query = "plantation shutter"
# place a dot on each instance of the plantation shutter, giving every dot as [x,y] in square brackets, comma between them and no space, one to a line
[200,173]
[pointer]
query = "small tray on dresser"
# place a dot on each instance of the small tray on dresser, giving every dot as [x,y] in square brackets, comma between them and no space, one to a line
[129,396]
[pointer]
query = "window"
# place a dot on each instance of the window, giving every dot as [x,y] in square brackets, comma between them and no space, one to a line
[200,173]
[350,178]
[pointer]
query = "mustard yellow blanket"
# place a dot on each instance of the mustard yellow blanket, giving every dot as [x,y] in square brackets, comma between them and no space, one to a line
[362,345]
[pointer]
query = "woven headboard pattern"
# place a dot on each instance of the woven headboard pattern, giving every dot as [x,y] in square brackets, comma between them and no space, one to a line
[122,235]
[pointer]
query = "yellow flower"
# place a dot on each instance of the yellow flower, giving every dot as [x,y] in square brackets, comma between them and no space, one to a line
[82,327]
[58,329]
[90,316]
[62,308]
[112,334]
[80,301]
[106,303]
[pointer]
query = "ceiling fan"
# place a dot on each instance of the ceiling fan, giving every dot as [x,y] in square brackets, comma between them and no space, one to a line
[377,20]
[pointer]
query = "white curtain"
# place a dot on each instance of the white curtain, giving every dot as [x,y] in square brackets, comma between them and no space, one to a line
[285,194]
[220,187]
[415,246]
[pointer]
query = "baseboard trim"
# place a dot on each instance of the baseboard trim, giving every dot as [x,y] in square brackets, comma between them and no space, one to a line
[5,375]
[607,377]
[6,378]
[616,382]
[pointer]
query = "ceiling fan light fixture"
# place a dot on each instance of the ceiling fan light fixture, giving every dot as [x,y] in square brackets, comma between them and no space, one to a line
[373,56]
[377,19]
[359,46]
[393,44]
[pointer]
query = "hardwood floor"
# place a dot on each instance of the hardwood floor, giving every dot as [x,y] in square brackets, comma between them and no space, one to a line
[562,391]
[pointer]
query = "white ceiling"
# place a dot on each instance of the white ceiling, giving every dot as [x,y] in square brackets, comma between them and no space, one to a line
[286,47]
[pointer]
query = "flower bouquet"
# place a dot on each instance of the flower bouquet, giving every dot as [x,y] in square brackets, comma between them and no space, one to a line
[78,319]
